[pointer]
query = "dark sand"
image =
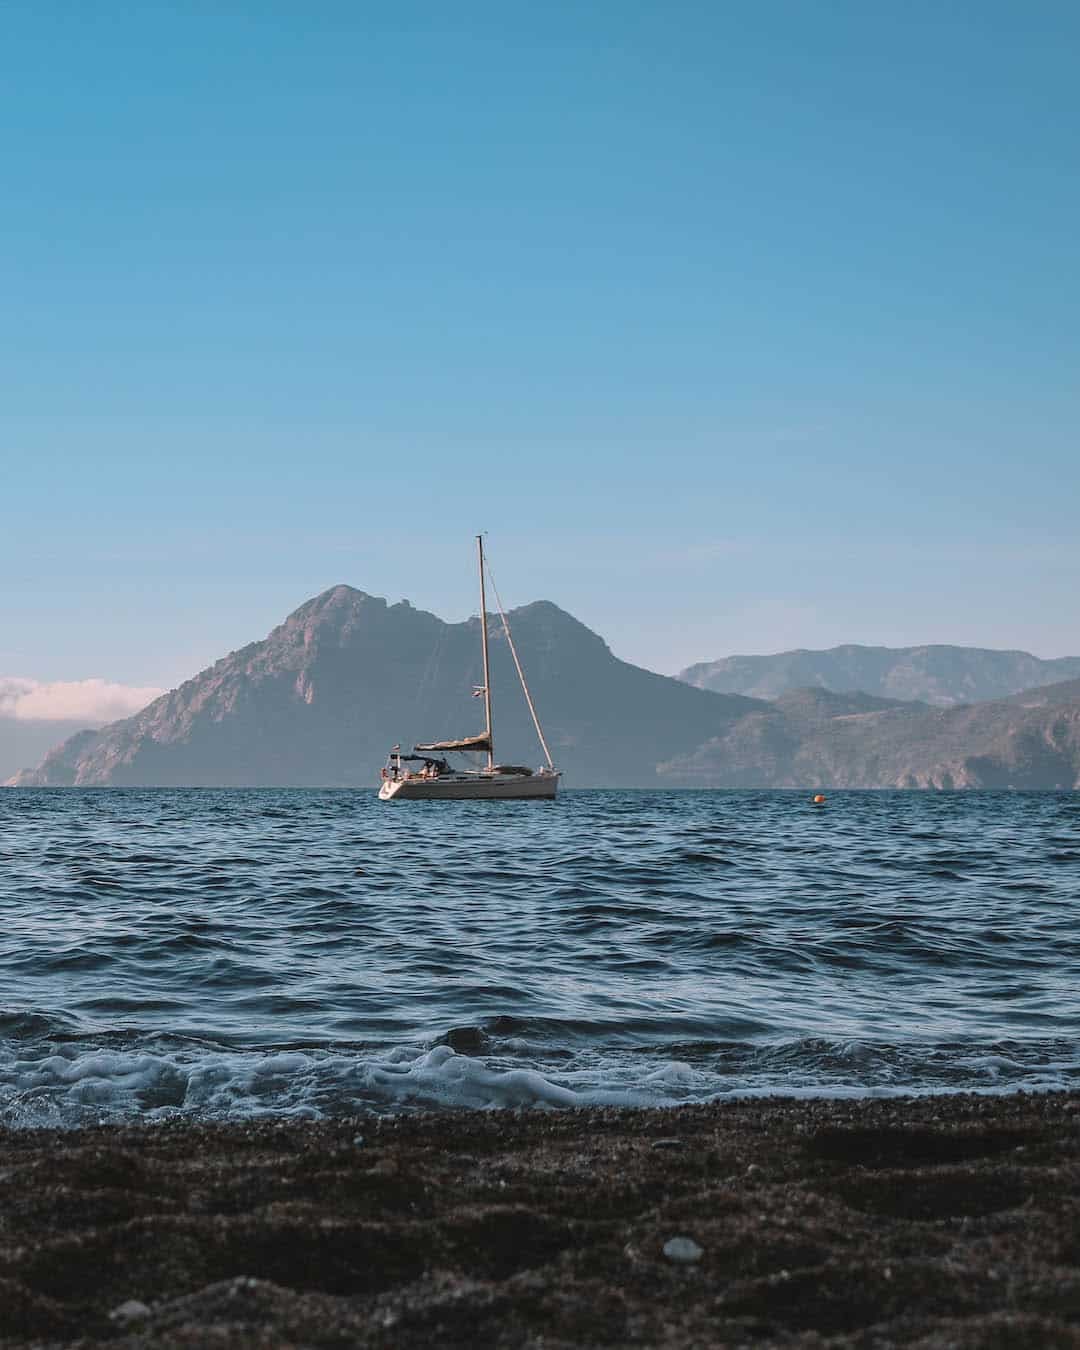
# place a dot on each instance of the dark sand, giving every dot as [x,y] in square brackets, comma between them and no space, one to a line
[941,1222]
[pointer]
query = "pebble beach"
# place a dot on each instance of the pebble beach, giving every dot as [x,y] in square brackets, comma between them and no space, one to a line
[932,1222]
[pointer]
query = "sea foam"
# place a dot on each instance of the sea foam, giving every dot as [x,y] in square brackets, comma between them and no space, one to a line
[79,1087]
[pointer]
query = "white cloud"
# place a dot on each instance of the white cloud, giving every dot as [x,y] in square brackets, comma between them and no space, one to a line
[90,701]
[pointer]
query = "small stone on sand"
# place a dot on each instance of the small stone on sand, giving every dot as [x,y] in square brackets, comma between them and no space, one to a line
[684,1250]
[130,1311]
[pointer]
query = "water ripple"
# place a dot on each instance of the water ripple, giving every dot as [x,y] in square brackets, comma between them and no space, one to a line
[238,951]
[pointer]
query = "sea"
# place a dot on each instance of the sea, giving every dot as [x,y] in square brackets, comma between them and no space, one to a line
[227,954]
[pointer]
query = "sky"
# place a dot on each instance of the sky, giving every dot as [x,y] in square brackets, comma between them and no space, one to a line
[737,327]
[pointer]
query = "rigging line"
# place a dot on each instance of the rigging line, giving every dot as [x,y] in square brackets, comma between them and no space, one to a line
[517,663]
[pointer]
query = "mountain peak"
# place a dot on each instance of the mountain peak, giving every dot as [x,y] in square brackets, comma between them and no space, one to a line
[335,600]
[320,699]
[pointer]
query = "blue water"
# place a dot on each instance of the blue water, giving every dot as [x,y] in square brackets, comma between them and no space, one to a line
[229,953]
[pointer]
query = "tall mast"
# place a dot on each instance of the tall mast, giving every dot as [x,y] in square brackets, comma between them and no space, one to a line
[484,645]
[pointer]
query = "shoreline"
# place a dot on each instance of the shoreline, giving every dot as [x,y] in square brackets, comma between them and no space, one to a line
[929,1221]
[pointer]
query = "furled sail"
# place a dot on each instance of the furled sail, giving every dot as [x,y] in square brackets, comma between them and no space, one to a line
[481,742]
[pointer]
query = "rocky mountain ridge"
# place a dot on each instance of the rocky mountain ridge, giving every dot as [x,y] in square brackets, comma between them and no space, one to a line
[814,738]
[320,700]
[940,675]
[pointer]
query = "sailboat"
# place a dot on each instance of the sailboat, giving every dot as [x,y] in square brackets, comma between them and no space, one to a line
[427,774]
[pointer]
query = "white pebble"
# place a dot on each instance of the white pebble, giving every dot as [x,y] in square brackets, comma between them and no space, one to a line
[129,1311]
[683,1249]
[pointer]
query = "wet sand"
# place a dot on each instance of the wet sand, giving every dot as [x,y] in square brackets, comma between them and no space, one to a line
[949,1221]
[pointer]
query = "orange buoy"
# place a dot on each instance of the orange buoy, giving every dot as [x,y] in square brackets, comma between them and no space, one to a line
[819,799]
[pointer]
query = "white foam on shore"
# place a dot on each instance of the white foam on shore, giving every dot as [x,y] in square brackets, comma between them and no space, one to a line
[61,1088]
[70,1085]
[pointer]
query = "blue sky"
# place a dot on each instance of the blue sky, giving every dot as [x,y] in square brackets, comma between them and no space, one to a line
[738,327]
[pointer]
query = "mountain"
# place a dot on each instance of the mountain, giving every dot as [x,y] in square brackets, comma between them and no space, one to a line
[943,676]
[322,698]
[816,738]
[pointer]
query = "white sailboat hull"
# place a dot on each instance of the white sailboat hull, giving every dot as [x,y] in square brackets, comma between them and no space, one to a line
[472,787]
